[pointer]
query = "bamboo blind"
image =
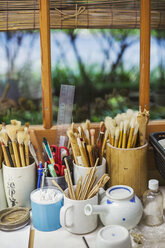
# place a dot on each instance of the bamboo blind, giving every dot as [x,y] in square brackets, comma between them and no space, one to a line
[19,14]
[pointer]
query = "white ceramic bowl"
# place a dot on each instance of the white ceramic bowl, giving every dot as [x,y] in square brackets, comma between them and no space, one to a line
[113,236]
[81,171]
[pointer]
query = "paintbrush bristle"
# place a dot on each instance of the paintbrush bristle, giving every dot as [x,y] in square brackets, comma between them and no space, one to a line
[4,137]
[11,131]
[112,131]
[121,125]
[70,135]
[117,132]
[118,119]
[20,137]
[88,123]
[15,123]
[126,123]
[26,138]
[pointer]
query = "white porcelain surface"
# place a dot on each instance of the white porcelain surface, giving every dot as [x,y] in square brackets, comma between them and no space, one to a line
[19,182]
[81,171]
[119,206]
[113,236]
[3,203]
[72,215]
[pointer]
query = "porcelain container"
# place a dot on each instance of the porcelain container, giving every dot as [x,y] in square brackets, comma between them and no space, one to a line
[119,206]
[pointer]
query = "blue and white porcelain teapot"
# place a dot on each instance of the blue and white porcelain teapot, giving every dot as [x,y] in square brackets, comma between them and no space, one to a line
[119,206]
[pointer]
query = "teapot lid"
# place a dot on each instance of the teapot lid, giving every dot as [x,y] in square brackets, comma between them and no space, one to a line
[120,192]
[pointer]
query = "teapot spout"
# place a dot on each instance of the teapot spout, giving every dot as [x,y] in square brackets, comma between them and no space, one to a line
[94,209]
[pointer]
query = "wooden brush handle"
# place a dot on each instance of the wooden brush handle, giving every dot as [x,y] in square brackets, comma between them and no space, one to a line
[130,138]
[84,157]
[120,139]
[89,149]
[7,162]
[27,154]
[16,155]
[22,155]
[124,140]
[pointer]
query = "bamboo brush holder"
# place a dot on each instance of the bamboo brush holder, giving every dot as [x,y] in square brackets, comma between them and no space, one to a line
[128,167]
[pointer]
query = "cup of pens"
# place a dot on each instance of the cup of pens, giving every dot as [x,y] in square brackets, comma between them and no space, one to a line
[19,171]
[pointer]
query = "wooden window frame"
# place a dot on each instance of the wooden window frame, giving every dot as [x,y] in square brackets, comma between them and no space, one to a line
[144,84]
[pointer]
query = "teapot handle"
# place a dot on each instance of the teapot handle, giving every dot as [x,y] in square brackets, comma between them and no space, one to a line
[101,194]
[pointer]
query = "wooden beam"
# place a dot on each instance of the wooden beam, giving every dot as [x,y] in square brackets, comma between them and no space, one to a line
[144,87]
[45,63]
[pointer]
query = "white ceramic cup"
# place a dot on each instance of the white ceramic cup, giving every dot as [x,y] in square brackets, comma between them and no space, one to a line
[3,203]
[19,182]
[113,236]
[73,218]
[79,170]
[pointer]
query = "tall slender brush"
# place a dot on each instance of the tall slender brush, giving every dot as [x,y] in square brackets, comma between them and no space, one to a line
[121,134]
[26,143]
[20,138]
[117,132]
[125,134]
[132,126]
[11,131]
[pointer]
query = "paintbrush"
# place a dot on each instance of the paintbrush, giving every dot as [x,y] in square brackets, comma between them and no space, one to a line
[74,145]
[69,178]
[26,143]
[83,153]
[117,132]
[92,134]
[118,119]
[104,142]
[135,134]
[78,187]
[132,126]
[90,153]
[11,131]
[33,153]
[100,140]
[112,135]
[125,134]
[20,139]
[16,123]
[121,134]
[5,148]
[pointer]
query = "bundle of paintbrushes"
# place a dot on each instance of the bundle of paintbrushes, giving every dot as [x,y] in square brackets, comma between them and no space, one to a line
[86,147]
[85,188]
[126,129]
[14,140]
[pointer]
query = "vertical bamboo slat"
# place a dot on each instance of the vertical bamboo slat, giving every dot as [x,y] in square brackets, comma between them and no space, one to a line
[144,86]
[45,63]
[128,167]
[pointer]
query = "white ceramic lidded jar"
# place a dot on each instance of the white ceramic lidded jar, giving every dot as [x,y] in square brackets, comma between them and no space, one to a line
[119,206]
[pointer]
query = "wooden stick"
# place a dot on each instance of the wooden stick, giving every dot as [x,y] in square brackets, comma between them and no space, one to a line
[69,178]
[78,187]
[83,153]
